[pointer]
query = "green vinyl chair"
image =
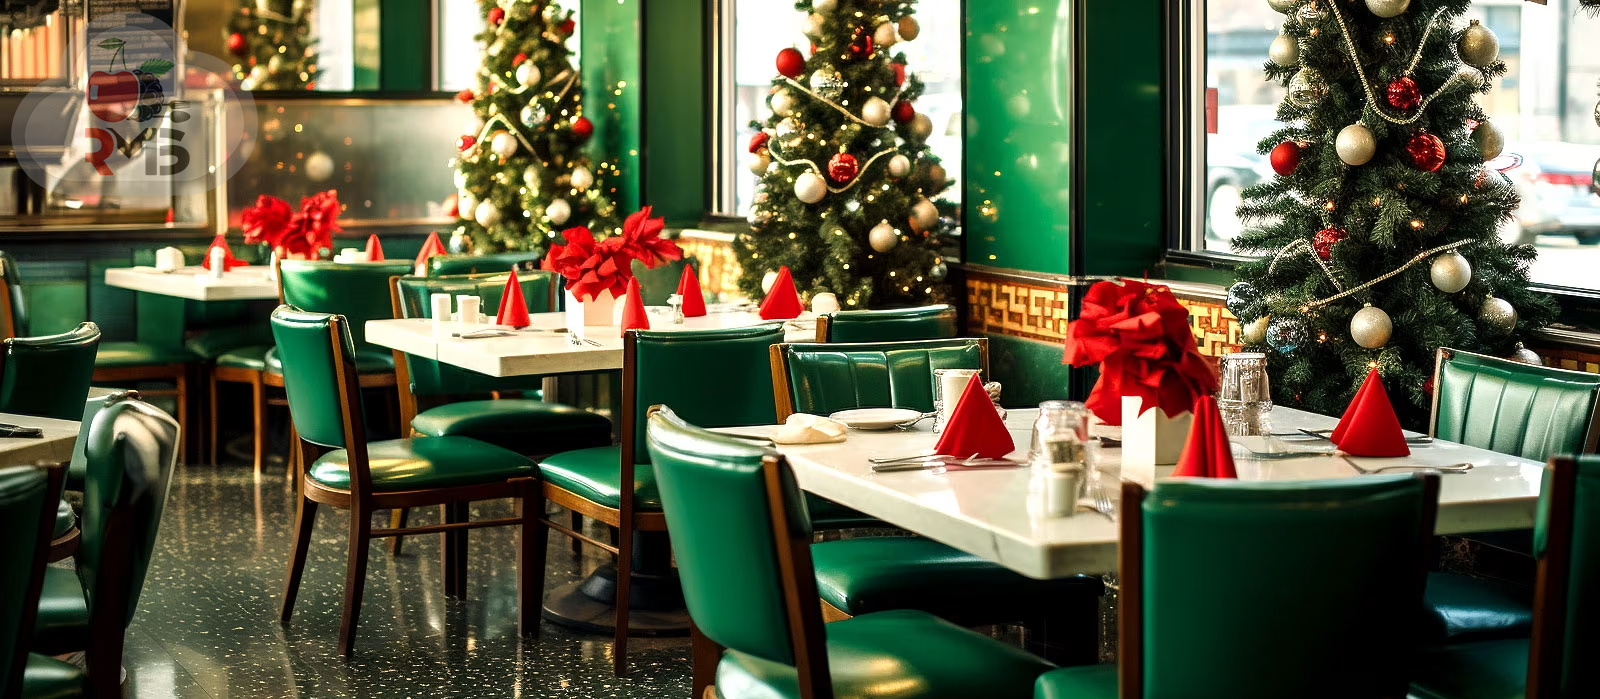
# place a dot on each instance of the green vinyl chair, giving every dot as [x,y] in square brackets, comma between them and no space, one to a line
[496,263]
[1554,662]
[131,452]
[1264,590]
[339,468]
[743,548]
[920,323]
[655,285]
[27,504]
[48,376]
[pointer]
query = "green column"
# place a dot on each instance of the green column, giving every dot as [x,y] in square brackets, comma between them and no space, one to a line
[675,129]
[402,52]
[612,89]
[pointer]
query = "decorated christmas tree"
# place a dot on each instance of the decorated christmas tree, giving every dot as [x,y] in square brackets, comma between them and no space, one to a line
[524,175]
[1378,238]
[272,45]
[847,179]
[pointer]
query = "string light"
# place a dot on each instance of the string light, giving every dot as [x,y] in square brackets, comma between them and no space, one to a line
[1417,224]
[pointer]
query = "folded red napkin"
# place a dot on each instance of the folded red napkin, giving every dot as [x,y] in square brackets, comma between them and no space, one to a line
[975,427]
[1350,410]
[634,316]
[694,302]
[228,260]
[782,302]
[513,309]
[1207,454]
[430,247]
[374,249]
[1370,426]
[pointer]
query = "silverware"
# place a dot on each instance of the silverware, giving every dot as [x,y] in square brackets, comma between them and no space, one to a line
[908,424]
[1452,468]
[939,463]
[1268,455]
[487,332]
[1318,434]
[575,340]
[911,457]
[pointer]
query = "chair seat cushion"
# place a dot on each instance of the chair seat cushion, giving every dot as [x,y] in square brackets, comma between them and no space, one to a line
[65,520]
[212,343]
[894,654]
[125,354]
[252,357]
[521,425]
[366,362]
[63,622]
[1459,608]
[1484,670]
[425,462]
[827,514]
[45,677]
[1086,682]
[596,475]
[877,574]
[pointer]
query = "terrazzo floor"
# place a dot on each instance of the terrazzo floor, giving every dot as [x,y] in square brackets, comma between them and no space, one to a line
[207,622]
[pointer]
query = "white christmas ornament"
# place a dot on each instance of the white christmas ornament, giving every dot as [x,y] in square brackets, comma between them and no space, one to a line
[319,166]
[558,211]
[1388,8]
[786,129]
[812,26]
[486,214]
[921,126]
[810,188]
[875,111]
[825,6]
[1284,51]
[759,165]
[1255,332]
[466,205]
[883,237]
[1355,145]
[899,165]
[824,302]
[581,178]
[1450,272]
[767,280]
[885,35]
[783,103]
[1371,327]
[924,215]
[461,180]
[527,73]
[503,144]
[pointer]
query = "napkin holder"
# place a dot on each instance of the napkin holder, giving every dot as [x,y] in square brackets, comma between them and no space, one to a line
[600,310]
[1150,439]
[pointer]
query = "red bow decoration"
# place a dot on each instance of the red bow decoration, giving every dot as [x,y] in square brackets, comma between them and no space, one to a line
[592,268]
[1139,335]
[641,240]
[302,234]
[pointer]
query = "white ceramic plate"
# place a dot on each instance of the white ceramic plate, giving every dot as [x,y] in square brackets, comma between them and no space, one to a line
[875,418]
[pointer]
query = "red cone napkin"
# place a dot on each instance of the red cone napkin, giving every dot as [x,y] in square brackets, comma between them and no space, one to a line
[975,427]
[1207,454]
[513,309]
[1350,410]
[634,316]
[783,302]
[430,247]
[374,249]
[694,302]
[1371,427]
[228,260]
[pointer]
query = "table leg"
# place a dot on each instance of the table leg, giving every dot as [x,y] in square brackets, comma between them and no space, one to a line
[654,594]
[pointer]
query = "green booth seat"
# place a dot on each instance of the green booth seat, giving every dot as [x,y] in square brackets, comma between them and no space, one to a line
[496,263]
[734,506]
[211,343]
[48,376]
[592,474]
[1320,584]
[891,325]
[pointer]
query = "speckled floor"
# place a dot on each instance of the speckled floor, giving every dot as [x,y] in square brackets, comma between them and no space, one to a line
[207,621]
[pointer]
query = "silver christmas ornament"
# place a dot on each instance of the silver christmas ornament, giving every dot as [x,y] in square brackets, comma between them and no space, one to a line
[883,237]
[1312,13]
[558,211]
[1489,139]
[1526,356]
[1478,45]
[899,165]
[786,129]
[1450,272]
[924,215]
[486,214]
[829,86]
[1282,6]
[1287,333]
[460,243]
[938,271]
[1307,88]
[1388,8]
[1498,315]
[527,73]
[533,115]
[810,188]
[1371,327]
[875,111]
[1245,301]
[1355,145]
[1284,51]
[1255,331]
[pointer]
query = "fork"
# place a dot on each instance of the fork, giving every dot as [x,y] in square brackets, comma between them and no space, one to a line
[1453,468]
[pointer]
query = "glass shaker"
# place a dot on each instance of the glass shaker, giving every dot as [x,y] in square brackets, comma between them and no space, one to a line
[1060,455]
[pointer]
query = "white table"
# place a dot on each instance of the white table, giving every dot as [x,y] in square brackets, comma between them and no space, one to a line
[238,284]
[991,513]
[540,351]
[54,446]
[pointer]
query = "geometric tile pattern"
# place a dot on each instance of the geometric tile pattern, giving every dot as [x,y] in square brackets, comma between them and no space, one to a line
[1005,306]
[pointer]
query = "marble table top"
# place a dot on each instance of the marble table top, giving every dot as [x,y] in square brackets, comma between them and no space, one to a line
[238,284]
[998,513]
[54,446]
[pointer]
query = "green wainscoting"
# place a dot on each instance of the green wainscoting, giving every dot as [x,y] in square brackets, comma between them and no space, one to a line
[612,89]
[1029,371]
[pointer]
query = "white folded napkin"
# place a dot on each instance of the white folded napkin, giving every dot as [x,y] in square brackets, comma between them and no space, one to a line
[804,428]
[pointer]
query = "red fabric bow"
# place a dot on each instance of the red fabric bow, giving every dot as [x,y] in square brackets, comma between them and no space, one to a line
[267,221]
[298,234]
[641,240]
[591,267]
[1139,335]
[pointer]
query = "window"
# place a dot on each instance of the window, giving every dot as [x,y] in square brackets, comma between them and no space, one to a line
[760,28]
[459,53]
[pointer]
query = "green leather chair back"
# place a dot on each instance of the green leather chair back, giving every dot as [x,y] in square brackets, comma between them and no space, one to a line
[825,378]
[431,378]
[717,378]
[714,497]
[443,265]
[132,450]
[1513,408]
[921,323]
[48,376]
[79,465]
[359,292]
[17,323]
[312,372]
[1282,589]
[1567,542]
[22,493]
[655,285]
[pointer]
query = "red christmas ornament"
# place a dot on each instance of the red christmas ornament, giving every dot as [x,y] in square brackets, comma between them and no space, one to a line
[1426,151]
[903,112]
[1323,243]
[860,45]
[568,26]
[842,167]
[758,142]
[452,206]
[899,73]
[496,15]
[464,96]
[790,63]
[518,59]
[1404,94]
[236,44]
[1285,158]
[466,143]
[813,48]
[582,128]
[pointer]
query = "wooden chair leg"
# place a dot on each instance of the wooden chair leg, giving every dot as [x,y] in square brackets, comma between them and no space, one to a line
[397,520]
[534,543]
[447,551]
[462,515]
[704,654]
[619,651]
[305,519]
[356,577]
[216,417]
[258,414]
[181,382]
[577,526]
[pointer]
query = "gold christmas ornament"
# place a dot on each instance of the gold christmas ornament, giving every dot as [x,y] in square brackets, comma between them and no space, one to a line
[1450,272]
[899,165]
[1489,139]
[1388,8]
[759,165]
[1478,45]
[1355,145]
[924,215]
[885,35]
[883,237]
[1284,51]
[1307,88]
[909,29]
[875,111]
[1282,6]
[810,188]
[1498,315]
[1371,327]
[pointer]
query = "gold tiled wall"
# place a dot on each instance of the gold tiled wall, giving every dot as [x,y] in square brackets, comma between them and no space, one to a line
[719,269]
[1574,359]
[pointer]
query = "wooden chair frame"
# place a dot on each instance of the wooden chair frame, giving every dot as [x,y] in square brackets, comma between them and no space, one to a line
[55,473]
[779,355]
[1591,437]
[1547,641]
[8,318]
[361,500]
[177,373]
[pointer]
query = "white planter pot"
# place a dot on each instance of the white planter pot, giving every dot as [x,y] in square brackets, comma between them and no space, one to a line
[599,311]
[1150,439]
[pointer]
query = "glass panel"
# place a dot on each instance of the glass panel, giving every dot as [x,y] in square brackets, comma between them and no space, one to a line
[461,51]
[1237,35]
[293,44]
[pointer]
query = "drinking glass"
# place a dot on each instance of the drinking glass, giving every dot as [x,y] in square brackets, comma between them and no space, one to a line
[947,387]
[1245,396]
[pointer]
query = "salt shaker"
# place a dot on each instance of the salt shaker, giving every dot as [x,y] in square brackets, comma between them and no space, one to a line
[440,307]
[1063,483]
[219,258]
[467,312]
[675,301]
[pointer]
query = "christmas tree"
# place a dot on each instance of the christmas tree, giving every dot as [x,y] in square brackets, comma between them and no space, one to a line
[846,175]
[1378,238]
[271,40]
[524,175]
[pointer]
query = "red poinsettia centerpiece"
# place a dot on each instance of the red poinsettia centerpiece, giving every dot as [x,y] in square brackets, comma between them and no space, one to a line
[593,267]
[1139,335]
[302,234]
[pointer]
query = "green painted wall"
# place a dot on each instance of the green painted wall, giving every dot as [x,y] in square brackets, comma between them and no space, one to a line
[403,55]
[610,46]
[368,50]
[676,117]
